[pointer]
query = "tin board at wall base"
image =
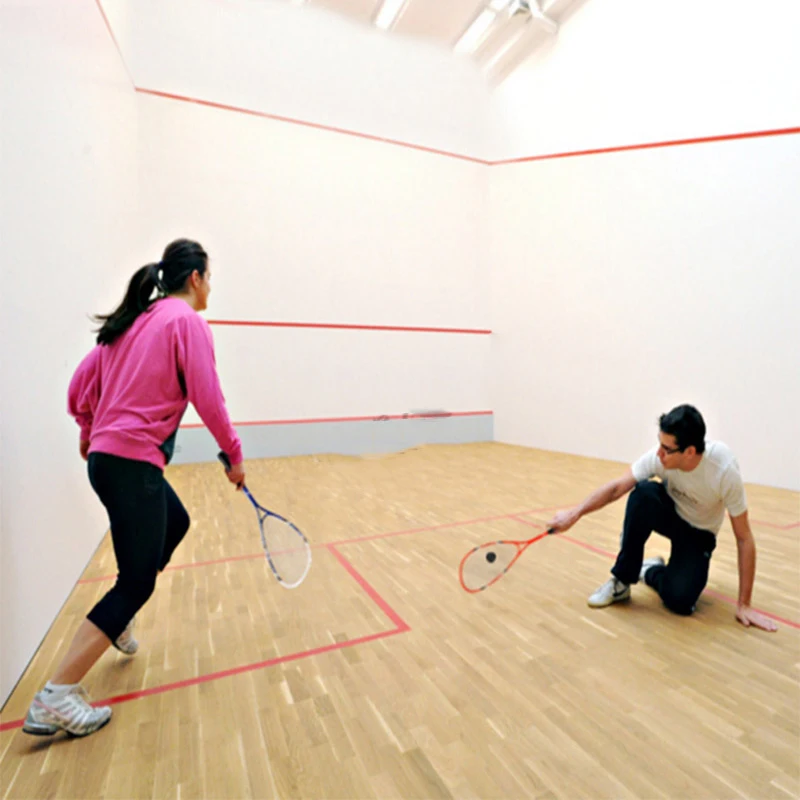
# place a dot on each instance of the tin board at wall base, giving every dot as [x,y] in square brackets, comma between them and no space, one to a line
[379,435]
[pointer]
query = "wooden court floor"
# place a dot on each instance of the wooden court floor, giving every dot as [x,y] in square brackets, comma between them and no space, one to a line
[381,678]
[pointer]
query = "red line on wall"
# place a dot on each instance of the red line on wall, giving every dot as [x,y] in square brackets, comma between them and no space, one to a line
[345,326]
[371,418]
[307,124]
[650,145]
[501,162]
[435,151]
[116,43]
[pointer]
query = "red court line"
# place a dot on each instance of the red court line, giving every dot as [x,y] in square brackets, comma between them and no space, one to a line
[346,326]
[400,624]
[328,545]
[313,125]
[187,565]
[587,546]
[400,627]
[435,151]
[473,159]
[789,526]
[536,525]
[227,673]
[650,145]
[442,526]
[116,43]
[462,523]
[711,592]
[370,418]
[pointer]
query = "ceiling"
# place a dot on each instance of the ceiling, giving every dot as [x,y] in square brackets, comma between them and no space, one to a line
[512,29]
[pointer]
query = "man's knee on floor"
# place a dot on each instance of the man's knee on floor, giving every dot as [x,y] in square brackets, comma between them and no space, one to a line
[678,601]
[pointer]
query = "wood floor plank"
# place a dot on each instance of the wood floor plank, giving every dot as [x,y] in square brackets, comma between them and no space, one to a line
[242,689]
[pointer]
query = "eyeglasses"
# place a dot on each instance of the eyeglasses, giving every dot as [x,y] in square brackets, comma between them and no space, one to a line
[669,450]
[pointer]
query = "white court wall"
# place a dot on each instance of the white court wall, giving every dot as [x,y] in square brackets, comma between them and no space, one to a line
[616,284]
[624,283]
[303,223]
[68,180]
[306,223]
[622,72]
[306,64]
[308,226]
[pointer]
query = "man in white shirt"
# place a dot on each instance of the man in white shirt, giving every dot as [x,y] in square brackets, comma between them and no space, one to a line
[699,481]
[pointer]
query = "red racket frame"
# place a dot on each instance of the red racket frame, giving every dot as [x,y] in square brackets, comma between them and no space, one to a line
[521,544]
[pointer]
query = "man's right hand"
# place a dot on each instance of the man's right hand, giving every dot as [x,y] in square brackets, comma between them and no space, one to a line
[564,520]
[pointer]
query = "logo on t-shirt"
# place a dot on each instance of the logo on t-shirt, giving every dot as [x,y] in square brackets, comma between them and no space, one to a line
[686,497]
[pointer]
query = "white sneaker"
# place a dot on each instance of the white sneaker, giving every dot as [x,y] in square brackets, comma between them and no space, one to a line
[650,562]
[612,591]
[70,711]
[125,640]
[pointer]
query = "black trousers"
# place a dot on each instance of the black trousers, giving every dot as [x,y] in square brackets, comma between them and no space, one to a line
[148,522]
[680,582]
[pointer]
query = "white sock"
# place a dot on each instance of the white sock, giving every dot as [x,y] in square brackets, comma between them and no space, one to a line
[59,688]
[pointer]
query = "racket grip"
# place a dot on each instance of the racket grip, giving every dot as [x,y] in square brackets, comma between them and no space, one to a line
[226,462]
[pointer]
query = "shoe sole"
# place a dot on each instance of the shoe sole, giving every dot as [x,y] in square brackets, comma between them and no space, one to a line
[42,730]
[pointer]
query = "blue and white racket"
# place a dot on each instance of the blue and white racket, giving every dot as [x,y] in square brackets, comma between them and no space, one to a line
[286,548]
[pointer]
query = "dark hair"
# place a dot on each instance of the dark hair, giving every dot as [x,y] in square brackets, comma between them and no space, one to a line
[686,424]
[180,259]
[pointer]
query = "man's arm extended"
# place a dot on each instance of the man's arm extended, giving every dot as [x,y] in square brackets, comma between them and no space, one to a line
[746,551]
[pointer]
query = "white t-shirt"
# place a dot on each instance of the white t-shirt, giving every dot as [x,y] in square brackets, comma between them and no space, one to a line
[702,495]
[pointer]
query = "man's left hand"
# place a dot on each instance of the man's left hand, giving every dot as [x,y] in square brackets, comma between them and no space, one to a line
[747,616]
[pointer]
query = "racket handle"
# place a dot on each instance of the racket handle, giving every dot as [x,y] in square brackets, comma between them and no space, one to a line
[226,462]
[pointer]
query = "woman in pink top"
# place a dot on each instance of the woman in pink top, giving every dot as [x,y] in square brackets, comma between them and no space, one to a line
[153,357]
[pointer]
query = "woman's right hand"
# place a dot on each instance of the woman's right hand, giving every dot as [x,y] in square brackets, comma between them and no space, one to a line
[236,475]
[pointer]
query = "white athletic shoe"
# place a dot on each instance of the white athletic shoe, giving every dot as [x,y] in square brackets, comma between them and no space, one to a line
[70,711]
[125,640]
[650,562]
[612,591]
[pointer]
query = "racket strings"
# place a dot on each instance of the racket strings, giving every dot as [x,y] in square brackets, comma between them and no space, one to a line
[289,553]
[487,563]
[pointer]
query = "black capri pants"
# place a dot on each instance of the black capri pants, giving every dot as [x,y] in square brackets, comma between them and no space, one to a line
[148,521]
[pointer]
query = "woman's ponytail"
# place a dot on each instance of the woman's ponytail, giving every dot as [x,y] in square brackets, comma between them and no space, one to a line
[137,299]
[181,258]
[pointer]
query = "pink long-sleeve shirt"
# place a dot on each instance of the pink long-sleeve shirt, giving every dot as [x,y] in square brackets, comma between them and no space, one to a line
[129,397]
